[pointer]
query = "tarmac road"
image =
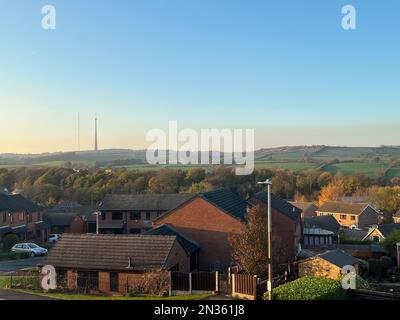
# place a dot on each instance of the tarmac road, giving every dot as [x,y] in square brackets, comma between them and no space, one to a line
[15,265]
[8,294]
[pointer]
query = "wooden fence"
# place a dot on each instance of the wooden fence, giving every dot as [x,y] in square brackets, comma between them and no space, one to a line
[244,286]
[193,283]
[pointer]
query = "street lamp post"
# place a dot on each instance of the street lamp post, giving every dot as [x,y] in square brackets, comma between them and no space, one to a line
[97,213]
[269,241]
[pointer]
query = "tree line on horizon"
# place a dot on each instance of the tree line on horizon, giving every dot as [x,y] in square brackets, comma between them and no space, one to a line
[50,185]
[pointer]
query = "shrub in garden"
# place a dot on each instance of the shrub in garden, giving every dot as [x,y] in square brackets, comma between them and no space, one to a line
[155,284]
[310,288]
[9,241]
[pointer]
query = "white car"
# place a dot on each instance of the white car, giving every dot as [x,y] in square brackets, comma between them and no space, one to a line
[33,249]
[53,238]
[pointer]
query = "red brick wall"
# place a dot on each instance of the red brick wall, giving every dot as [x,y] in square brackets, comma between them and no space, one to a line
[288,229]
[77,226]
[207,225]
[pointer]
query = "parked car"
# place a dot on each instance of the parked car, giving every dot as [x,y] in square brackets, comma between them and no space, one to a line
[54,238]
[31,248]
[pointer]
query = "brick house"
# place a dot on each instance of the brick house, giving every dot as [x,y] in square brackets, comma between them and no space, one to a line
[135,213]
[112,264]
[211,218]
[378,233]
[76,219]
[190,246]
[286,220]
[22,217]
[350,215]
[328,264]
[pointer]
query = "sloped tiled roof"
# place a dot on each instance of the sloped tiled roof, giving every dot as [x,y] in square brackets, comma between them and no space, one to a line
[188,244]
[343,207]
[397,214]
[17,203]
[388,228]
[324,222]
[308,208]
[279,204]
[110,252]
[151,201]
[338,258]
[227,201]
[60,219]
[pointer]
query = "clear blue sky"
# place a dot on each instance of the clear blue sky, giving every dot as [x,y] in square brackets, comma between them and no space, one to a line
[285,68]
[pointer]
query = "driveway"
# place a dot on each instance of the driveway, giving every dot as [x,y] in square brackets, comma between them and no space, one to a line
[15,265]
[8,294]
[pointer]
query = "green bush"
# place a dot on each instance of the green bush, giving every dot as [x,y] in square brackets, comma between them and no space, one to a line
[20,282]
[9,241]
[310,288]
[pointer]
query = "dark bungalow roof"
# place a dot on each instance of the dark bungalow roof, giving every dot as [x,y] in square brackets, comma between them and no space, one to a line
[279,204]
[60,219]
[19,229]
[338,258]
[353,234]
[188,245]
[324,222]
[110,252]
[343,207]
[227,201]
[5,229]
[387,229]
[362,248]
[17,203]
[150,201]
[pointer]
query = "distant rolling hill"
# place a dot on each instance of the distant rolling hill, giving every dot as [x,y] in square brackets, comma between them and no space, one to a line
[348,160]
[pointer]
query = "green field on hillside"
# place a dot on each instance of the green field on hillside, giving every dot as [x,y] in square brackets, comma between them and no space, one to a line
[369,169]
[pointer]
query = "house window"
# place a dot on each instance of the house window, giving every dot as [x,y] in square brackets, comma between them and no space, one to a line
[94,280]
[30,217]
[343,217]
[117,215]
[39,216]
[353,218]
[103,215]
[135,215]
[21,216]
[375,239]
[114,278]
[4,217]
[135,230]
[147,215]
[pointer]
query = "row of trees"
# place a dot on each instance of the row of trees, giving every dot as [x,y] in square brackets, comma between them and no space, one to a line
[49,185]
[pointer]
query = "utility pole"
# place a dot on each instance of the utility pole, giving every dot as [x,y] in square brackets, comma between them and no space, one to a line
[97,213]
[269,240]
